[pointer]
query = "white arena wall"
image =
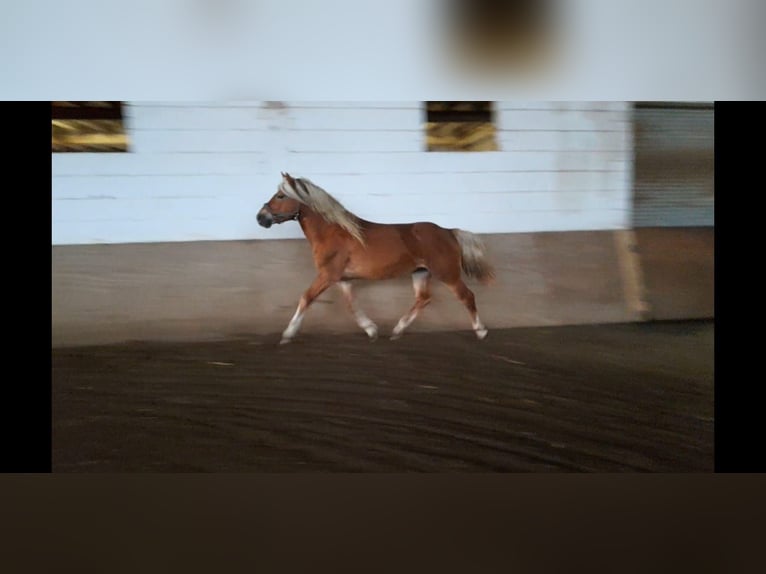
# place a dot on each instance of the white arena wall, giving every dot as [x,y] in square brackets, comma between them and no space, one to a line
[200,171]
[162,241]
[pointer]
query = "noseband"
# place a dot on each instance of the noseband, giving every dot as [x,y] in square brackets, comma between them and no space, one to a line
[282,217]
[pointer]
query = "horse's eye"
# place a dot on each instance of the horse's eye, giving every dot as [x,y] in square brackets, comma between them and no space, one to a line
[280,196]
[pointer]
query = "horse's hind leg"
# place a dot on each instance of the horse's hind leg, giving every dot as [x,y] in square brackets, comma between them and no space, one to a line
[361,318]
[420,281]
[320,284]
[466,296]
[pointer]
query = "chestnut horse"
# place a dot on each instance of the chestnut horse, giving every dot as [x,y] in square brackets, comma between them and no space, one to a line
[346,247]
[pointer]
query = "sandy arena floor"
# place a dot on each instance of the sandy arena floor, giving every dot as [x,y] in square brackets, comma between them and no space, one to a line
[633,397]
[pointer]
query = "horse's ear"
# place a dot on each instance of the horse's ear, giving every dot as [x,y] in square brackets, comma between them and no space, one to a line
[289,179]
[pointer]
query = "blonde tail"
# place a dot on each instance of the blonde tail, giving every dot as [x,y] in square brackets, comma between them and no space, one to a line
[474,256]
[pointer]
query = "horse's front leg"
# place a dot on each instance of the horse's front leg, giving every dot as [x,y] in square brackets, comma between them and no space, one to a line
[361,317]
[320,284]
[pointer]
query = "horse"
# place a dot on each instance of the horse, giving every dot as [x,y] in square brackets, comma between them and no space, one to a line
[346,247]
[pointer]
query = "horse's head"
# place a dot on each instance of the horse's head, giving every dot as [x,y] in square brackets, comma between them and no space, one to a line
[281,207]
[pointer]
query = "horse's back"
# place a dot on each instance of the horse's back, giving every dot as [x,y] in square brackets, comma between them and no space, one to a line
[433,234]
[434,247]
[416,236]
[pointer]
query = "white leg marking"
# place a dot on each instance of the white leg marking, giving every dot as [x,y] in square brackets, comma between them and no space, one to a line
[361,318]
[420,281]
[293,326]
[369,327]
[478,326]
[419,284]
[403,323]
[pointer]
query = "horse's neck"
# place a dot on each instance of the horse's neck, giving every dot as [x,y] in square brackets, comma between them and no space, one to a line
[314,226]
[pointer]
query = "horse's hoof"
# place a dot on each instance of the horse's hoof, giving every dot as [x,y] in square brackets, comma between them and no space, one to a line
[482,334]
[372,333]
[396,336]
[284,341]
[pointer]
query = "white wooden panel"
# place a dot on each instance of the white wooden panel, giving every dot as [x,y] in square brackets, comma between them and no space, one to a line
[355,119]
[589,161]
[143,186]
[525,105]
[159,164]
[170,209]
[556,120]
[197,118]
[221,141]
[311,164]
[382,208]
[201,171]
[354,142]
[298,141]
[153,230]
[156,229]
[438,183]
[148,187]
[618,106]
[560,141]
[196,104]
[160,220]
[364,105]
[163,117]
[563,106]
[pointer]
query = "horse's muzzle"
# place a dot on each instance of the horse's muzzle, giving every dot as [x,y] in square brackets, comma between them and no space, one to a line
[265,218]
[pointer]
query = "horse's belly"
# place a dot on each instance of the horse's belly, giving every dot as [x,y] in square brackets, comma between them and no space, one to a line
[380,266]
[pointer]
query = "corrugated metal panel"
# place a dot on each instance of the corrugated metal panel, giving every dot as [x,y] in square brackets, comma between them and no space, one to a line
[674,149]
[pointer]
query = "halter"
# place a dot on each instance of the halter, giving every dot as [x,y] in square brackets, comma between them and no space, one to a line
[282,217]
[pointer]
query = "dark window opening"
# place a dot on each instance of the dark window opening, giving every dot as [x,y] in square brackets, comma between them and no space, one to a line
[88,127]
[460,126]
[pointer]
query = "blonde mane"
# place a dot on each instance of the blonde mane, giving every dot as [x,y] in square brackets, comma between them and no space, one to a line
[323,203]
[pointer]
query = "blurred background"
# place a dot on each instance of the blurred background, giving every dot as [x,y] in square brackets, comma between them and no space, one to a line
[593,211]
[342,50]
